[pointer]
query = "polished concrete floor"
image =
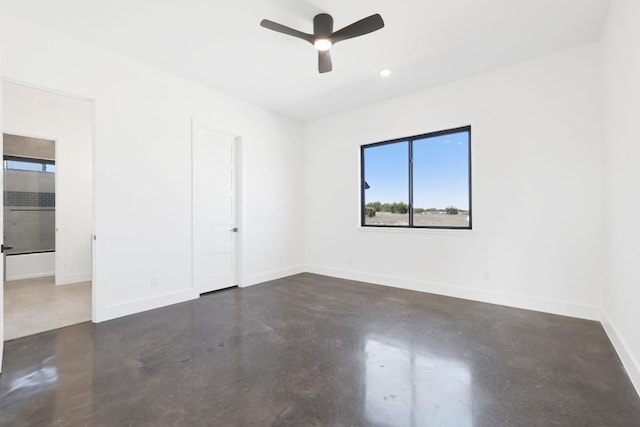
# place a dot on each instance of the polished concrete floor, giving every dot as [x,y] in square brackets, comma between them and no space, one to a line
[315,351]
[37,305]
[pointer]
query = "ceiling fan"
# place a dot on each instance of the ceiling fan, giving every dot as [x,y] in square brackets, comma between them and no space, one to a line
[324,37]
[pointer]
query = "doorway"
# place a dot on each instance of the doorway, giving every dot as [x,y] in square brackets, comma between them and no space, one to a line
[47,194]
[216,228]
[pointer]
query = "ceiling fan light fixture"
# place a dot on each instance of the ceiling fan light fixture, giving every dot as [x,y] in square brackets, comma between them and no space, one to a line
[322,45]
[385,73]
[324,37]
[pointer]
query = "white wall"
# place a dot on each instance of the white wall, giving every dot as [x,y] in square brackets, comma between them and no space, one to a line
[68,121]
[537,189]
[142,169]
[621,55]
[30,265]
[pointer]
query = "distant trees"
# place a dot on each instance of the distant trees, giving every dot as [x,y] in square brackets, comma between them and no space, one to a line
[451,210]
[370,211]
[395,207]
[402,208]
[376,206]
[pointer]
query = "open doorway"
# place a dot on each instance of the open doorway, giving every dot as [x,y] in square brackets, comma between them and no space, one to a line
[47,162]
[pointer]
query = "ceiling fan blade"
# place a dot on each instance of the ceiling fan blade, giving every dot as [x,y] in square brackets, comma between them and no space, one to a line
[286,30]
[324,61]
[364,26]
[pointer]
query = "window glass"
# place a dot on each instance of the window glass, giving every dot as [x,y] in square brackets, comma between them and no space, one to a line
[441,181]
[386,184]
[23,165]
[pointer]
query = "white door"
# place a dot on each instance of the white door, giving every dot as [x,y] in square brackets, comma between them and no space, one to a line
[214,209]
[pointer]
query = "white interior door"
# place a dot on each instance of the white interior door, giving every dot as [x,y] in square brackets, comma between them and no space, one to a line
[214,209]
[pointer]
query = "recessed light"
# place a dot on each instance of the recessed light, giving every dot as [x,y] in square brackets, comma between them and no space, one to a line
[385,73]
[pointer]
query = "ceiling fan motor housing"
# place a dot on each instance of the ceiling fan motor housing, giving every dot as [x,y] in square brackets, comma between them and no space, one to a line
[322,26]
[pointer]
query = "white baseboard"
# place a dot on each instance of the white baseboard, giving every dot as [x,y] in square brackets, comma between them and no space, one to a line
[629,360]
[563,308]
[143,304]
[272,275]
[73,278]
[30,276]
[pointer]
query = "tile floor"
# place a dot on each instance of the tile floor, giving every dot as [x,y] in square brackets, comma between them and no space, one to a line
[36,305]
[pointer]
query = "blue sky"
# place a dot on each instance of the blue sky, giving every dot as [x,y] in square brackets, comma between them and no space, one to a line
[441,172]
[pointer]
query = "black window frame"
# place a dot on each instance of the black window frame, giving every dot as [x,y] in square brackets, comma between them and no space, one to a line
[409,140]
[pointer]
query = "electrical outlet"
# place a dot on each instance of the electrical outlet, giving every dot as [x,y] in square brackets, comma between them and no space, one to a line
[348,260]
[154,281]
[486,275]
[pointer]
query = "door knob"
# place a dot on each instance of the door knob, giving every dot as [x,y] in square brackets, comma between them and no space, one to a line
[234,229]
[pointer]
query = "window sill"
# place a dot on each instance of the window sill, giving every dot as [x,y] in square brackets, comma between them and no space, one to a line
[463,232]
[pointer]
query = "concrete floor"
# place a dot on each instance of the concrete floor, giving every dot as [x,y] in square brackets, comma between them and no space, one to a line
[37,305]
[311,350]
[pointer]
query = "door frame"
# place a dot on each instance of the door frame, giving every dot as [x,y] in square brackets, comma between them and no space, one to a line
[95,117]
[2,272]
[196,124]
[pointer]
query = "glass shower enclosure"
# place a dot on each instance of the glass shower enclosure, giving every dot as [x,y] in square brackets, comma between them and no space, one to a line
[29,198]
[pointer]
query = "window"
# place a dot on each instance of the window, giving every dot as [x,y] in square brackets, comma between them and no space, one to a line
[422,181]
[27,164]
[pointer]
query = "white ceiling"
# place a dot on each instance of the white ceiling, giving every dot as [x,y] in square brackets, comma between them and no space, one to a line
[219,43]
